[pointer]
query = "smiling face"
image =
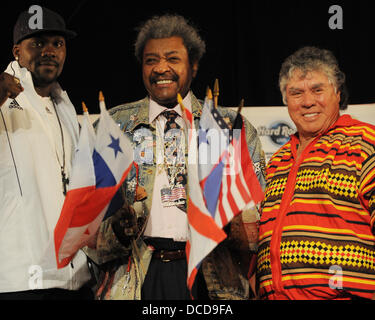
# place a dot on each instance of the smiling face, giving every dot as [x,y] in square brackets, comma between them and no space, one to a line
[167,70]
[313,104]
[44,56]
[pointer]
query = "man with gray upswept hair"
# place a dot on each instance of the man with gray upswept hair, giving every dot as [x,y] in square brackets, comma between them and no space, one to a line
[148,234]
[317,235]
[311,58]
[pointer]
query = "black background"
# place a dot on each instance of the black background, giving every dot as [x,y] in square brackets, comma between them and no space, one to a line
[246,44]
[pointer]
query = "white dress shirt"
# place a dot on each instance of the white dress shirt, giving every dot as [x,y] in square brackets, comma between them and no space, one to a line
[165,222]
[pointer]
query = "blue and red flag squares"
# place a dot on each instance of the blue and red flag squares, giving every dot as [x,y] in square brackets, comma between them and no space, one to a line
[213,143]
[228,183]
[100,166]
[204,234]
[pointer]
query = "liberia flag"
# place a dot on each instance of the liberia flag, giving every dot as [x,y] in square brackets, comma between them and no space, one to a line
[100,166]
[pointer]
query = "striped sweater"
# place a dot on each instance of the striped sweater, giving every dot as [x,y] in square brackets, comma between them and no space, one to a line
[317,225]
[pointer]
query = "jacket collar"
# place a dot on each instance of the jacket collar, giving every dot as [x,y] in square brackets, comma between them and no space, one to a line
[142,116]
[26,79]
[196,107]
[29,97]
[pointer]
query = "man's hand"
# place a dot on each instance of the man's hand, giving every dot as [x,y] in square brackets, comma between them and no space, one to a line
[10,87]
[124,224]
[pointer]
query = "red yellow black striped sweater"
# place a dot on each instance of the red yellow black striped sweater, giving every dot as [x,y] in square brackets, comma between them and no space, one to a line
[317,225]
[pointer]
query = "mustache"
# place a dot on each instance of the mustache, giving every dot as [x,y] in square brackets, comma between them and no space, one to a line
[155,78]
[47,61]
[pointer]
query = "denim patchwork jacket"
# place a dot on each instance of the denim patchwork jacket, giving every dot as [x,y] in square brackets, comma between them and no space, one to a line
[226,268]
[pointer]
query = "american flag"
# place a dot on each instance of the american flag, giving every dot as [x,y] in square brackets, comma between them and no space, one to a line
[168,195]
[240,187]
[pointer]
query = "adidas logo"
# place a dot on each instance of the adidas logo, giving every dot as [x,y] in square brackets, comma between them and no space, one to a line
[14,105]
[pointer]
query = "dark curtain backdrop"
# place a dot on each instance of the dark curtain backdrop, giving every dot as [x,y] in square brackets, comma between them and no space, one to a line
[246,44]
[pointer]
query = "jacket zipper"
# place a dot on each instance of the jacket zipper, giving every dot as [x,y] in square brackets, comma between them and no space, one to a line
[11,153]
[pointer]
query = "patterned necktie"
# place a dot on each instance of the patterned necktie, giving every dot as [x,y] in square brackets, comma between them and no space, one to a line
[174,162]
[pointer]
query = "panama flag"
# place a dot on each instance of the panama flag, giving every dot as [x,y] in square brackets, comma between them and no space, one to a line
[204,234]
[100,166]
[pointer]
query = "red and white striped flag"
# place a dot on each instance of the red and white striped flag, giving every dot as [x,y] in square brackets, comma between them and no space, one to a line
[240,187]
[226,178]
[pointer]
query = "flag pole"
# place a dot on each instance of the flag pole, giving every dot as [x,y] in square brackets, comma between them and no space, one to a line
[240,106]
[209,93]
[85,110]
[179,100]
[216,92]
[188,119]
[101,96]
[101,100]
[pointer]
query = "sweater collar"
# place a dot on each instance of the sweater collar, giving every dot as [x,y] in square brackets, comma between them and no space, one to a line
[343,121]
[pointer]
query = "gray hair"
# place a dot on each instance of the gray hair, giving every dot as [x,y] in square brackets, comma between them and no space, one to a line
[309,59]
[170,25]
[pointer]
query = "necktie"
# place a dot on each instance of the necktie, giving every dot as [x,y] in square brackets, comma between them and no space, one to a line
[174,162]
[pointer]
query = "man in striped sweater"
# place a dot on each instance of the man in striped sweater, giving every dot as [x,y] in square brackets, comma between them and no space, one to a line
[317,226]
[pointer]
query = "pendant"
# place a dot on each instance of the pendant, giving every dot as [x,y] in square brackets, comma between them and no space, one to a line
[65,181]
